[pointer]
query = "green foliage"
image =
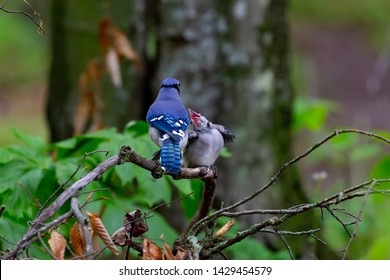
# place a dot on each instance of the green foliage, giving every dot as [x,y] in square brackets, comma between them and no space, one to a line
[31,172]
[310,114]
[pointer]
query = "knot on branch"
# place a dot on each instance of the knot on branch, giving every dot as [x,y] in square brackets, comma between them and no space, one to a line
[126,154]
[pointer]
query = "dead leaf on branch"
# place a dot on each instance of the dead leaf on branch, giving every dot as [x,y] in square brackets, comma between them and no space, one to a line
[120,237]
[168,253]
[134,223]
[225,228]
[115,45]
[76,239]
[101,231]
[180,254]
[113,67]
[87,116]
[57,244]
[151,251]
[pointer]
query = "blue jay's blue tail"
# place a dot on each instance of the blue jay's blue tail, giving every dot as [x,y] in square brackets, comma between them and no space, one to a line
[170,155]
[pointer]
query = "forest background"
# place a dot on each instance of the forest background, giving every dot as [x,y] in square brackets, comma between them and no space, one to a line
[336,75]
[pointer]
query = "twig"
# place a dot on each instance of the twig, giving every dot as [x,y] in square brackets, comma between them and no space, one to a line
[71,176]
[45,247]
[39,24]
[287,213]
[281,236]
[336,133]
[30,193]
[374,182]
[84,227]
[338,219]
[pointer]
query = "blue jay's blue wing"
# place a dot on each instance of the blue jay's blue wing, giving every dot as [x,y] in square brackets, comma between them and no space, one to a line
[174,127]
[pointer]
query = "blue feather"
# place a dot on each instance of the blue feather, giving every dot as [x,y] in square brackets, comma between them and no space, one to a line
[171,156]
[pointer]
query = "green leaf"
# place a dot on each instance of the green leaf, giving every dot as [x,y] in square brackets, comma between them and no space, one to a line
[65,144]
[190,204]
[137,128]
[151,191]
[33,142]
[21,197]
[10,174]
[382,169]
[65,168]
[225,153]
[365,152]
[310,113]
[380,250]
[6,155]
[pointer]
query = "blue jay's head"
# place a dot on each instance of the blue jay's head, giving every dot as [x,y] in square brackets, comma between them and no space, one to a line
[171,83]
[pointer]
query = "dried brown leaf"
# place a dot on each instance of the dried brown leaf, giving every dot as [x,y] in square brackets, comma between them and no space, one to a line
[76,239]
[113,67]
[168,253]
[87,116]
[134,223]
[101,231]
[104,34]
[120,237]
[123,46]
[180,254]
[57,244]
[225,228]
[151,251]
[111,36]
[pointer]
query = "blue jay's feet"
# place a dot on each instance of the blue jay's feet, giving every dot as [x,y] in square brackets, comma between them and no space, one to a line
[176,176]
[158,172]
[156,156]
[215,171]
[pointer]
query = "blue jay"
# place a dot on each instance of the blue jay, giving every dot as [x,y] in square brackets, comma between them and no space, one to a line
[168,122]
[205,142]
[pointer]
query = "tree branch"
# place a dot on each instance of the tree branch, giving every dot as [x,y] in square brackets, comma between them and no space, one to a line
[374,182]
[83,222]
[272,181]
[126,154]
[201,220]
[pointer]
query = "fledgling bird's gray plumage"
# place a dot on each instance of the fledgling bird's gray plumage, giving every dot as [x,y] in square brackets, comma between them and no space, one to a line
[206,142]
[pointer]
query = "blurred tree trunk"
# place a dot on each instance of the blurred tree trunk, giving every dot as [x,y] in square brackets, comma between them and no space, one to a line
[75,43]
[232,60]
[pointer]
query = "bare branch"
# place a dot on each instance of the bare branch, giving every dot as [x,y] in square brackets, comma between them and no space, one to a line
[272,181]
[374,182]
[48,251]
[83,222]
